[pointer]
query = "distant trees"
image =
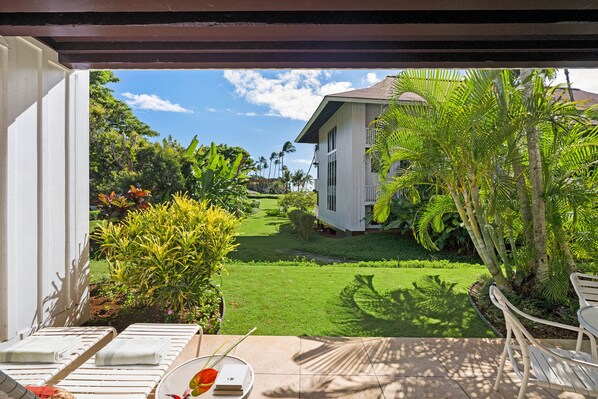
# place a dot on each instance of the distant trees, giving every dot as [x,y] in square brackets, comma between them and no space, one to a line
[284,179]
[120,153]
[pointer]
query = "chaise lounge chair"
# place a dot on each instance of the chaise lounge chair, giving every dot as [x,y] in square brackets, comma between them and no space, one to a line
[41,374]
[90,381]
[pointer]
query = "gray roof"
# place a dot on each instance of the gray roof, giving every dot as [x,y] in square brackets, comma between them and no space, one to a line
[379,93]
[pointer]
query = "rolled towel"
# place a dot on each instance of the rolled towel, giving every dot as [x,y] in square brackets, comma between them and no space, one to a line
[41,349]
[133,351]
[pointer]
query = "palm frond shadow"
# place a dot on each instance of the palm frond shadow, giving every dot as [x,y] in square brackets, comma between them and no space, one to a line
[432,308]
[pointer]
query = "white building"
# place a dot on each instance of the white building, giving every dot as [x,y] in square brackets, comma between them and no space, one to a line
[346,180]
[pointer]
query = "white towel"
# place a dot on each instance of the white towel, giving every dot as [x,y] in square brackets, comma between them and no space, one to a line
[133,351]
[41,349]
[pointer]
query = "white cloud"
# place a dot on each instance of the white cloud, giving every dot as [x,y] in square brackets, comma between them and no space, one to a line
[211,110]
[371,78]
[584,79]
[153,103]
[246,114]
[294,94]
[300,160]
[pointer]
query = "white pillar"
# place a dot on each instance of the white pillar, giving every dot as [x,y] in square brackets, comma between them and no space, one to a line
[44,117]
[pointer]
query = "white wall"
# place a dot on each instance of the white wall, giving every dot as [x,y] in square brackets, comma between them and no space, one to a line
[350,138]
[44,183]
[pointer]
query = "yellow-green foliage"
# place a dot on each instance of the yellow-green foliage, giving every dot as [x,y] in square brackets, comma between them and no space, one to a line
[169,252]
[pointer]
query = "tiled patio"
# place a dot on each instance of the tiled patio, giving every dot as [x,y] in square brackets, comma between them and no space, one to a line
[336,367]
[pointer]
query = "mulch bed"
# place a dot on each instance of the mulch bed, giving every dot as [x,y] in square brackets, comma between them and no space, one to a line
[109,311]
[481,299]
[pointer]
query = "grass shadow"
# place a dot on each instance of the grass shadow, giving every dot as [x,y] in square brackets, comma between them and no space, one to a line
[432,308]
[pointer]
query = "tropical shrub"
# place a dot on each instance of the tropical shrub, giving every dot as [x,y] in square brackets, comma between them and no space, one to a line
[302,222]
[447,233]
[218,180]
[94,214]
[169,253]
[115,207]
[305,201]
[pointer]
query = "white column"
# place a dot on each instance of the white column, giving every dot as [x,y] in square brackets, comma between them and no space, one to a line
[43,189]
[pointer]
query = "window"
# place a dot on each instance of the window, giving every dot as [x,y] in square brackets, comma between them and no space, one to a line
[332,139]
[331,176]
[331,186]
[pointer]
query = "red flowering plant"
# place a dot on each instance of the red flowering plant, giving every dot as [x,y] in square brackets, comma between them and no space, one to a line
[116,207]
[205,378]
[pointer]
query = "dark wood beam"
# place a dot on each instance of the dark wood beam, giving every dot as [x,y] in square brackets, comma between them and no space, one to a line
[331,60]
[120,45]
[66,6]
[308,33]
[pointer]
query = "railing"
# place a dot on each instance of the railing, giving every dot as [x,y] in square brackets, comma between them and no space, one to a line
[370,136]
[370,193]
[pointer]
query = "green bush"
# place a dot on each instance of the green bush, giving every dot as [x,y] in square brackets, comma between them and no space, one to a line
[94,214]
[168,253]
[303,223]
[302,200]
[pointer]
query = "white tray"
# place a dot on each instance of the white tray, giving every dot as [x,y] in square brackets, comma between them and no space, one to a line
[178,379]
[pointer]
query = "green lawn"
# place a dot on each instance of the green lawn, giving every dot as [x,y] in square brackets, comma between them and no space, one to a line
[350,301]
[397,297]
[262,239]
[266,238]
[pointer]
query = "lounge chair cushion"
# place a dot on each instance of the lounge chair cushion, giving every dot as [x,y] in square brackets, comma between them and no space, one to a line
[41,349]
[133,351]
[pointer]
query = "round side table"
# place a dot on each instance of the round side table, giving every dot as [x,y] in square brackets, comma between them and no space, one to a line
[176,381]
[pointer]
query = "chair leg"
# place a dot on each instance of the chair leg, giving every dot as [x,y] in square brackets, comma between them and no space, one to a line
[579,341]
[503,359]
[524,382]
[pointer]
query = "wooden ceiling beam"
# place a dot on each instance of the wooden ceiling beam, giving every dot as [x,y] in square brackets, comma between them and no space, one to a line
[307,32]
[64,6]
[327,59]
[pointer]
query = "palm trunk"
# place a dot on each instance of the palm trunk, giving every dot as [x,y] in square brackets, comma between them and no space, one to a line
[538,204]
[478,243]
[486,234]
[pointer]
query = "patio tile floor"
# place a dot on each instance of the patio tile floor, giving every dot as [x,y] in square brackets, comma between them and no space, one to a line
[385,368]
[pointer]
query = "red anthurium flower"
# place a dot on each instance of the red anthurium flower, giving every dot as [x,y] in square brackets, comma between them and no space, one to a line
[203,381]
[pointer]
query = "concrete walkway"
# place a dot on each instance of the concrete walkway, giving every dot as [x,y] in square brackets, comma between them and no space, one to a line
[337,367]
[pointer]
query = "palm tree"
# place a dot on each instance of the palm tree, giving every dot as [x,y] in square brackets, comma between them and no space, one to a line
[307,179]
[281,163]
[287,148]
[440,141]
[470,140]
[262,164]
[286,178]
[273,157]
[297,178]
[276,168]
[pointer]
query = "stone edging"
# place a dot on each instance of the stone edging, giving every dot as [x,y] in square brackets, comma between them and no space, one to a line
[477,310]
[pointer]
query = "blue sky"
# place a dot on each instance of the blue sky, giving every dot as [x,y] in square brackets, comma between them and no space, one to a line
[256,109]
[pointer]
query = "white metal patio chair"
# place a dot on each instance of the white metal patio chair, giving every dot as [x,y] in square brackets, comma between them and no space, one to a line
[558,369]
[586,288]
[130,381]
[40,374]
